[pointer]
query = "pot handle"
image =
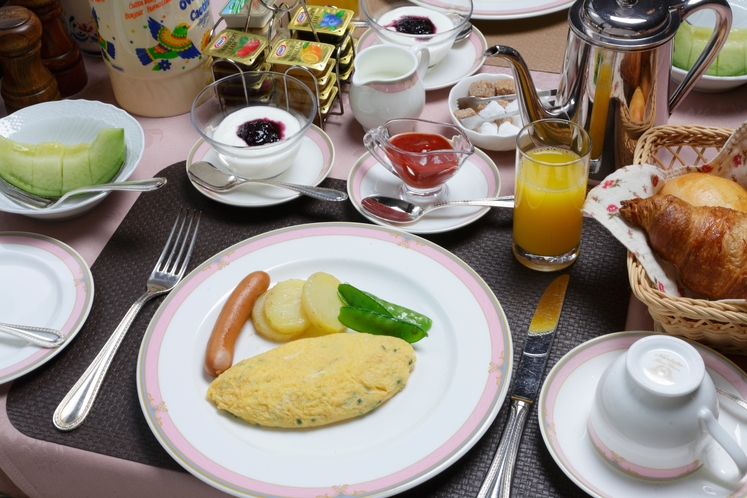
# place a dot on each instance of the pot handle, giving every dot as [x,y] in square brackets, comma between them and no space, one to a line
[722,437]
[425,59]
[720,33]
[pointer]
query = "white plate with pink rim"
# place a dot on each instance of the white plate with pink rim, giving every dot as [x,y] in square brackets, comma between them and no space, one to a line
[453,394]
[311,167]
[478,178]
[45,283]
[516,9]
[565,401]
[464,59]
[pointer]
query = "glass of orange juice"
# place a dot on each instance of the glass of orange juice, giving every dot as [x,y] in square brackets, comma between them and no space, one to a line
[552,170]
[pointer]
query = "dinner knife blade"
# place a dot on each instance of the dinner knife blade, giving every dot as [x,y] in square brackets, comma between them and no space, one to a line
[526,385]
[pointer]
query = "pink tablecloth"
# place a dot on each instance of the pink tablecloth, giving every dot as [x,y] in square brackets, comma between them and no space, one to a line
[39,469]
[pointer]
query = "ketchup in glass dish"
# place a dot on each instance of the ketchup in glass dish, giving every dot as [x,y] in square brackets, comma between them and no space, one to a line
[416,163]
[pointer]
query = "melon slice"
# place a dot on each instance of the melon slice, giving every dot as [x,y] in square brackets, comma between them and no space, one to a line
[107,154]
[50,169]
[690,41]
[47,169]
[17,163]
[76,172]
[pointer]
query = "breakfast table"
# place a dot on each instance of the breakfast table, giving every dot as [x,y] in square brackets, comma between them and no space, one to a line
[114,453]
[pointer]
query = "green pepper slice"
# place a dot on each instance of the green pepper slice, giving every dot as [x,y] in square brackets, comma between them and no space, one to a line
[371,322]
[358,299]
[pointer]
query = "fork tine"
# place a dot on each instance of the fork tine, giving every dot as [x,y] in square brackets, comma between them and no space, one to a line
[185,261]
[179,221]
[172,264]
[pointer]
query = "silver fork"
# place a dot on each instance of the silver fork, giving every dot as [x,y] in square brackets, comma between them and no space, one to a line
[168,271]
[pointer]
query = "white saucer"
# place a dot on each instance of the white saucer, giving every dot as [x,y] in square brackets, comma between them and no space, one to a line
[478,178]
[313,164]
[45,283]
[464,59]
[564,405]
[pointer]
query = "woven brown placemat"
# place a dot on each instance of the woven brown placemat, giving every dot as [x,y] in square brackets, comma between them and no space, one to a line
[540,40]
[596,304]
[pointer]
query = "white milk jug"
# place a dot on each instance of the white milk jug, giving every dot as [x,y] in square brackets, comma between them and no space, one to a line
[388,83]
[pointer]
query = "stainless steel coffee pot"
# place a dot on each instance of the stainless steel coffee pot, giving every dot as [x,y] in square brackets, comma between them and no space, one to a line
[615,80]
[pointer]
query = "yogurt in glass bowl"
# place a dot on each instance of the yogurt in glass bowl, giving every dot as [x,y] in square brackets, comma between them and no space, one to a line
[433,23]
[255,121]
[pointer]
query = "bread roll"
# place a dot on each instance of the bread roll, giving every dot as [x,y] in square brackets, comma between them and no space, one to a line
[703,189]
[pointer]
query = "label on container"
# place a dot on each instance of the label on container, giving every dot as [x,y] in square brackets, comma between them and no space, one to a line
[290,52]
[325,20]
[237,46]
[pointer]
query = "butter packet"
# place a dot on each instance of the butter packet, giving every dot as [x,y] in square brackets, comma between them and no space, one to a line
[238,46]
[330,23]
[289,52]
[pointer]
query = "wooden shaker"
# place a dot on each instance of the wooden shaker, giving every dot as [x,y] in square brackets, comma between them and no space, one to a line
[26,81]
[59,52]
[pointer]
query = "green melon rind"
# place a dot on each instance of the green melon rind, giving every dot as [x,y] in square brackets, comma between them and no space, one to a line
[50,169]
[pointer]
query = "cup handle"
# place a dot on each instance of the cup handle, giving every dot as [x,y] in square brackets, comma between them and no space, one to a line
[372,142]
[722,437]
[425,59]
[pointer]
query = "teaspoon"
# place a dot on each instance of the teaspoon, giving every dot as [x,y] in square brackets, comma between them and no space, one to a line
[46,338]
[396,210]
[208,176]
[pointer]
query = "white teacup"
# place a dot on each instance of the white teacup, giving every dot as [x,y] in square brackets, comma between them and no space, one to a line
[655,412]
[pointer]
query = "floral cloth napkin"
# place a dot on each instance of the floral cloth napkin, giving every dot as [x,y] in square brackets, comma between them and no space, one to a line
[644,180]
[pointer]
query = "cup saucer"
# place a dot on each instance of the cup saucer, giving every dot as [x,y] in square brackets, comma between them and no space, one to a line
[478,178]
[464,59]
[313,164]
[565,401]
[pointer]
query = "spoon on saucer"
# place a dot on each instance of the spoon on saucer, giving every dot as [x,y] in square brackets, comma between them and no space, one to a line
[46,338]
[396,210]
[208,176]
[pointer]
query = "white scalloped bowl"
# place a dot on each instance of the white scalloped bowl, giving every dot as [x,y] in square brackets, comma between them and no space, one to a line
[71,122]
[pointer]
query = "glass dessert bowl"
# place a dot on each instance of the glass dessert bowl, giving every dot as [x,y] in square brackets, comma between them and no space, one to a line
[432,23]
[255,121]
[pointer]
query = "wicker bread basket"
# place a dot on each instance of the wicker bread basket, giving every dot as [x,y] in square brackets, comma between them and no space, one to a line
[719,325]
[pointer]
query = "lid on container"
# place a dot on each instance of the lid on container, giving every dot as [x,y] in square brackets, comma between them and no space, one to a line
[665,365]
[623,24]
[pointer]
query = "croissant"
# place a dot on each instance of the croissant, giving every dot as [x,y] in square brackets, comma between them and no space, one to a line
[707,245]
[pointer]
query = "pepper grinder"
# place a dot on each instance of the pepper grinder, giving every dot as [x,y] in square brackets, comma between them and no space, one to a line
[59,52]
[26,81]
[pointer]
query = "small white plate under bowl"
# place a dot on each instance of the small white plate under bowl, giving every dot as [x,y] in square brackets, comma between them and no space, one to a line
[311,167]
[565,401]
[464,58]
[71,122]
[45,283]
[478,178]
[710,84]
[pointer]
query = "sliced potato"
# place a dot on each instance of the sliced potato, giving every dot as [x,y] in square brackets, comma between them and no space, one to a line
[262,326]
[321,302]
[283,308]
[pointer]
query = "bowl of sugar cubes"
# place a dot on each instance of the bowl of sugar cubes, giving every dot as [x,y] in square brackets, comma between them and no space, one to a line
[489,125]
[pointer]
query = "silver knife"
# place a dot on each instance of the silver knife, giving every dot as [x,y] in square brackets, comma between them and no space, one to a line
[526,385]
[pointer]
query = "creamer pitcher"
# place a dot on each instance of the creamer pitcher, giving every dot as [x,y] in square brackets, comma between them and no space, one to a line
[388,83]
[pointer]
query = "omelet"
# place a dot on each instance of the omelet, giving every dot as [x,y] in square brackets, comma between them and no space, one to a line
[315,381]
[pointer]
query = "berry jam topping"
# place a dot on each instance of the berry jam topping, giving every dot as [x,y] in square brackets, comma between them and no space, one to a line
[261,131]
[414,25]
